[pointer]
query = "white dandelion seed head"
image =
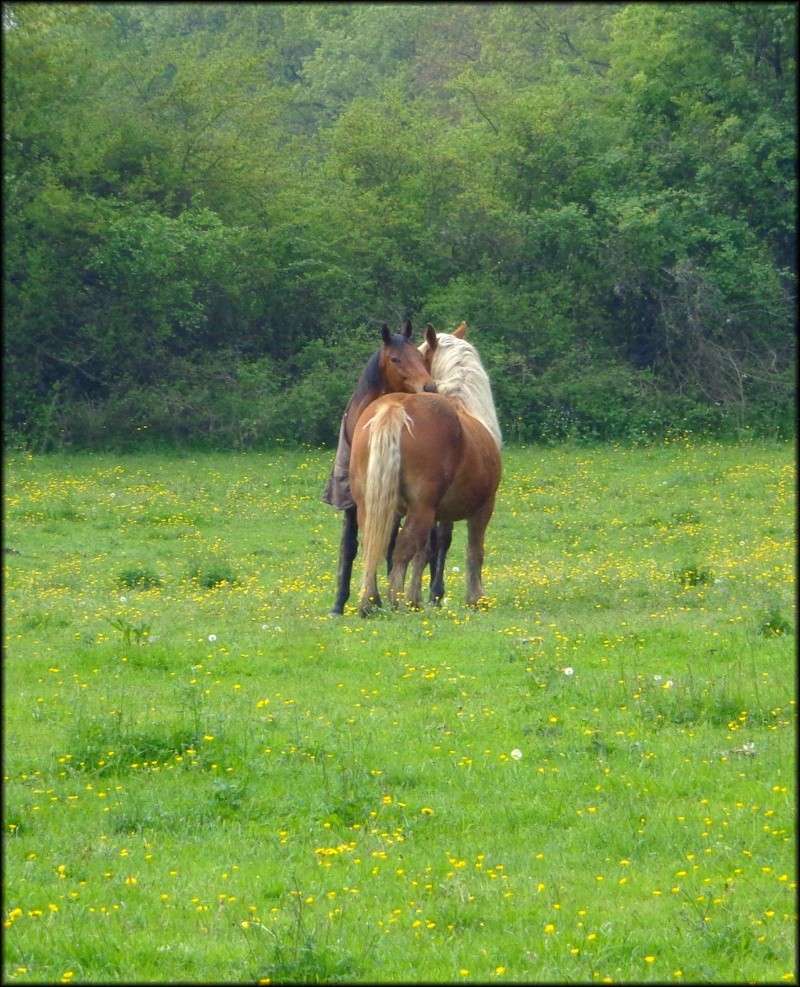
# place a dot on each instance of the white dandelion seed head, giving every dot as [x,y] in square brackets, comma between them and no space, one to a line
[569,671]
[516,753]
[123,599]
[456,568]
[657,678]
[212,637]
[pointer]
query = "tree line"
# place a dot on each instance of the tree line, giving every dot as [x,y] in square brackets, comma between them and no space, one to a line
[211,208]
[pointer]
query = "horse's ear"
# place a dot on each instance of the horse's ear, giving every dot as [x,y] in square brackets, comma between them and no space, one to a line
[385,334]
[430,337]
[461,331]
[406,329]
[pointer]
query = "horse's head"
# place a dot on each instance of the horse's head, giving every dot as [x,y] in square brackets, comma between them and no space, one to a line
[401,363]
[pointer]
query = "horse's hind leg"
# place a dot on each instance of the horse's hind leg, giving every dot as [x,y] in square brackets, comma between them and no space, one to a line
[392,542]
[418,564]
[412,541]
[476,529]
[442,536]
[370,597]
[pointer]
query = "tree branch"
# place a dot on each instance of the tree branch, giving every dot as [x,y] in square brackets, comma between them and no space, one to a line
[479,109]
[72,365]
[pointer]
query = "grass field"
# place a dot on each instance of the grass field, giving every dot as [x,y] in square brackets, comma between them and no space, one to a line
[591,778]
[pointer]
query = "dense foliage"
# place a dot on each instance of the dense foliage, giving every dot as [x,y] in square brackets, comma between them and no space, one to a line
[209,208]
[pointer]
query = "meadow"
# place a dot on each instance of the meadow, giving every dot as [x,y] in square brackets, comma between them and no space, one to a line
[590,778]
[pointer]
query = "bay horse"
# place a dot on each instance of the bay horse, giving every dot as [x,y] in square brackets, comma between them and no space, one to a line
[433,457]
[397,366]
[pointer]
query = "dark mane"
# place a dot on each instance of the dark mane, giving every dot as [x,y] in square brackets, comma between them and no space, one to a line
[370,377]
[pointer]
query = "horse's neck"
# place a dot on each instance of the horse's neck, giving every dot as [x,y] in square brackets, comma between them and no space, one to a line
[371,385]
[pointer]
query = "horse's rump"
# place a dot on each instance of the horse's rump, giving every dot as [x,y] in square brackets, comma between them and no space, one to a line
[430,428]
[423,448]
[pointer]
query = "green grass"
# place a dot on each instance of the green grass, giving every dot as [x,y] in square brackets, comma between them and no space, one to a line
[208,778]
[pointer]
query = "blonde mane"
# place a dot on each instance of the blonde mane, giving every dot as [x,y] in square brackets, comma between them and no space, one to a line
[459,373]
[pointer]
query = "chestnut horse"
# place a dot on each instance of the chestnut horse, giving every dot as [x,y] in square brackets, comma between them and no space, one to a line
[432,457]
[397,366]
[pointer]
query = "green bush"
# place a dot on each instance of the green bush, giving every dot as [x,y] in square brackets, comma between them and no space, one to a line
[212,573]
[138,577]
[694,575]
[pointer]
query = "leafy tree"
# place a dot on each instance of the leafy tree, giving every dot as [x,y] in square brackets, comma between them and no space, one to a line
[211,204]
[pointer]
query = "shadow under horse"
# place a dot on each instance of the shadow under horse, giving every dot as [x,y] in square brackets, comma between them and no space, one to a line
[398,366]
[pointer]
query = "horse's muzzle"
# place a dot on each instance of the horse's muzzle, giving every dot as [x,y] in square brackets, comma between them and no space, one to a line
[431,388]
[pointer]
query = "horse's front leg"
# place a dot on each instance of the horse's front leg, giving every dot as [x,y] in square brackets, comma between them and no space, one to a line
[347,552]
[441,535]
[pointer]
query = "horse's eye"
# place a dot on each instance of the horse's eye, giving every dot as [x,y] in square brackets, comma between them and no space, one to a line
[395,359]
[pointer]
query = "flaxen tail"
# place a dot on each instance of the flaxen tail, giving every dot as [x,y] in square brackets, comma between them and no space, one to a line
[382,482]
